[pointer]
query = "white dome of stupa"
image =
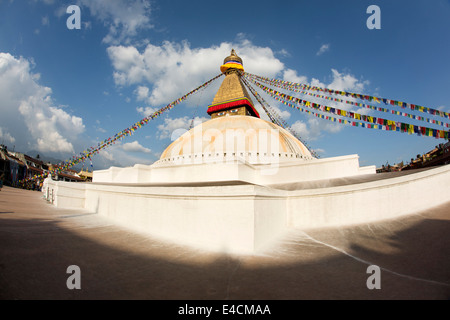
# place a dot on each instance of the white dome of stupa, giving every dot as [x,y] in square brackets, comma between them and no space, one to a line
[245,138]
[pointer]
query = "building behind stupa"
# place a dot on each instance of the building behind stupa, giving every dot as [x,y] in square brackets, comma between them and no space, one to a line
[237,182]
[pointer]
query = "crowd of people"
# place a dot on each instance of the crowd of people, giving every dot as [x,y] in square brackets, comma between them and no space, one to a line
[35,185]
[28,184]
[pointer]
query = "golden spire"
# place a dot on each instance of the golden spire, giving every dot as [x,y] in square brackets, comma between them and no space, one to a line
[232,57]
[232,62]
[232,97]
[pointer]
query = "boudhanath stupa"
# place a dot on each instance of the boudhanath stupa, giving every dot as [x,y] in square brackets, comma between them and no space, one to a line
[236,183]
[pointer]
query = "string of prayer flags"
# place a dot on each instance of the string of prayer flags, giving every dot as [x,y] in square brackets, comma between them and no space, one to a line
[391,102]
[373,122]
[275,117]
[91,151]
[363,105]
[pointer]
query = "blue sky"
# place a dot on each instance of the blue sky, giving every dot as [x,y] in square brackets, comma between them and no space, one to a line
[62,91]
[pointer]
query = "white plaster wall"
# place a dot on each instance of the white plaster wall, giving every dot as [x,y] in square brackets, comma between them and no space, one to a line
[270,217]
[216,218]
[318,169]
[70,195]
[245,218]
[196,173]
[371,201]
[51,191]
[367,170]
[102,175]
[286,172]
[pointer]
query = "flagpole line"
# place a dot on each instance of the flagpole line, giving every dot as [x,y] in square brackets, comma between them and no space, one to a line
[357,104]
[91,151]
[278,119]
[369,120]
[403,105]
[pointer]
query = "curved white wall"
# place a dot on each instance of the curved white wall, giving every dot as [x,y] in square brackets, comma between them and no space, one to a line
[224,169]
[243,218]
[370,201]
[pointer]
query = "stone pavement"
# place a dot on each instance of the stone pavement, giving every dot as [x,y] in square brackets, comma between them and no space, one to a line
[38,242]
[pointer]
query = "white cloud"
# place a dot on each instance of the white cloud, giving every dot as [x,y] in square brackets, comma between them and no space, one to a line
[61,11]
[142,93]
[6,137]
[316,83]
[173,69]
[107,155]
[319,150]
[135,147]
[364,111]
[180,68]
[86,25]
[28,111]
[45,21]
[124,18]
[284,53]
[171,125]
[339,81]
[121,156]
[346,82]
[146,111]
[313,129]
[282,113]
[324,48]
[291,75]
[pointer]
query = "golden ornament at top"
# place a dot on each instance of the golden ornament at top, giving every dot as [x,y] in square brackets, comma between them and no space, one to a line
[232,57]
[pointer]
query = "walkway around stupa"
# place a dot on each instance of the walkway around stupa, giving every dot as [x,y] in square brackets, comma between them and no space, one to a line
[39,241]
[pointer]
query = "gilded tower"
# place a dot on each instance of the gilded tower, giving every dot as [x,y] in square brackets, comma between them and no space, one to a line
[232,97]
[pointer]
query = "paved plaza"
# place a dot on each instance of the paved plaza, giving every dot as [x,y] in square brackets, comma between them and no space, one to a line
[39,242]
